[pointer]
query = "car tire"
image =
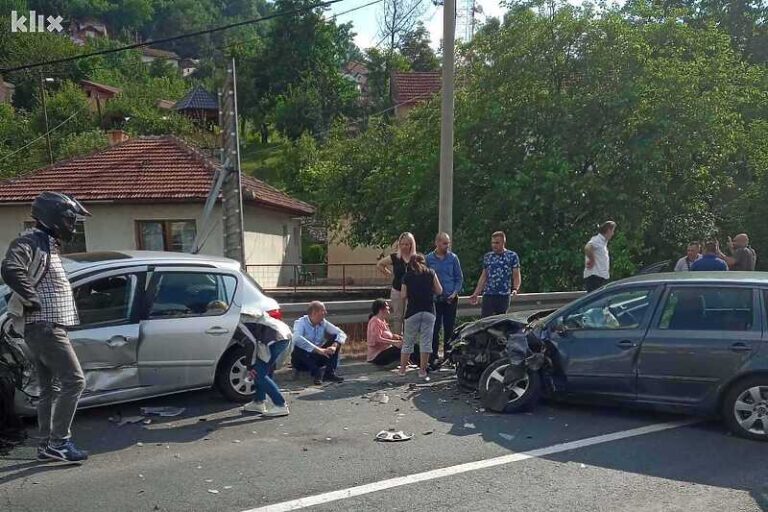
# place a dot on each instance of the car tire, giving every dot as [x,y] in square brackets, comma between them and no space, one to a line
[745,408]
[230,377]
[519,396]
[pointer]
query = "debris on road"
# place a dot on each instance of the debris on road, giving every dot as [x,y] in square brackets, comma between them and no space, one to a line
[469,425]
[506,437]
[213,491]
[165,412]
[427,432]
[129,420]
[393,436]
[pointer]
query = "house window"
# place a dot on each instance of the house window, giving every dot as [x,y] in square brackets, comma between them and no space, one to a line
[77,244]
[166,235]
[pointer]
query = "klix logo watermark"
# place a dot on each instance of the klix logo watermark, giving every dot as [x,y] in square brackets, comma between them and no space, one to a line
[35,22]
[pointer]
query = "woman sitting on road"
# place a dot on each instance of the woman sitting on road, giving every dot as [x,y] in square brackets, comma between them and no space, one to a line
[383,346]
[263,357]
[420,285]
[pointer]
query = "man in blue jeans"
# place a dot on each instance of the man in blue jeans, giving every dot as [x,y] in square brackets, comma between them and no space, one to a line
[318,344]
[448,269]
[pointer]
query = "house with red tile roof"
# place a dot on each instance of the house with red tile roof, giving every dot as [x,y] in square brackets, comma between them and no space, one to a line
[147,193]
[411,88]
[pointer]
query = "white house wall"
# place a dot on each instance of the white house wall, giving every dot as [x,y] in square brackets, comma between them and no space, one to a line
[271,238]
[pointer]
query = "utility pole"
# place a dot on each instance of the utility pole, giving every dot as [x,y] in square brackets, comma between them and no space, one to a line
[232,187]
[45,115]
[445,216]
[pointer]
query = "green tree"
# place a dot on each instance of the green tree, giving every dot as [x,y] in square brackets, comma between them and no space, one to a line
[415,47]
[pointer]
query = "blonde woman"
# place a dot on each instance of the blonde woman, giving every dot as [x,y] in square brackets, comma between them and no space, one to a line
[395,265]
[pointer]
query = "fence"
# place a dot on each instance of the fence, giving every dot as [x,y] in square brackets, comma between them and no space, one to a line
[334,276]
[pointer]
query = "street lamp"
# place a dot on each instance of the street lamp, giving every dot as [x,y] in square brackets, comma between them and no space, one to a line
[45,114]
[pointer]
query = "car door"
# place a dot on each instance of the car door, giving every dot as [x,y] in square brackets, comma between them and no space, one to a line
[191,316]
[599,340]
[699,338]
[106,341]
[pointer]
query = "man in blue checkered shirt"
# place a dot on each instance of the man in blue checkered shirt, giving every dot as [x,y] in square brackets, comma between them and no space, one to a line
[43,303]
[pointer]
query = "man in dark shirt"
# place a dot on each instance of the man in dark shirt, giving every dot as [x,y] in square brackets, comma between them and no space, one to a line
[744,257]
[709,261]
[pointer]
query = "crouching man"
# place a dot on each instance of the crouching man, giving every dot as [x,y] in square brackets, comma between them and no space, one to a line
[43,303]
[317,345]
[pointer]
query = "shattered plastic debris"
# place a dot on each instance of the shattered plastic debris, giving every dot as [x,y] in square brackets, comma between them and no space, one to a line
[236,441]
[165,412]
[392,436]
[128,420]
[213,491]
[506,437]
[582,466]
[227,487]
[139,444]
[469,425]
[427,432]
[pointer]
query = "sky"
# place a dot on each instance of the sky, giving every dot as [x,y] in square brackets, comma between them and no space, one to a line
[366,24]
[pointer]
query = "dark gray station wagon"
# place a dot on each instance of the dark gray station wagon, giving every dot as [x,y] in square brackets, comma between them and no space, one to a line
[686,342]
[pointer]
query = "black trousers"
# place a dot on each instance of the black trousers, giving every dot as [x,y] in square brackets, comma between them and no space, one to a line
[387,357]
[313,363]
[592,283]
[445,317]
[494,305]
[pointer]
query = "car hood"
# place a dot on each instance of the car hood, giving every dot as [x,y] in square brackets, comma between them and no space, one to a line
[522,318]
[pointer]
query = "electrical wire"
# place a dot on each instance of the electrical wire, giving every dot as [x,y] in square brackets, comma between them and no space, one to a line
[175,38]
[6,157]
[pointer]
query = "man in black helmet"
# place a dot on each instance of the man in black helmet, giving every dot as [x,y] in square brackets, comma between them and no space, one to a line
[43,306]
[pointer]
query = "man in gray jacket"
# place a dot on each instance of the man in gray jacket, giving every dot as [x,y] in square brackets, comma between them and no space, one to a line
[42,305]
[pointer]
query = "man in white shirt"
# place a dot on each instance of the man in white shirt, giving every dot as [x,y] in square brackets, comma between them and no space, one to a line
[597,261]
[317,344]
[691,257]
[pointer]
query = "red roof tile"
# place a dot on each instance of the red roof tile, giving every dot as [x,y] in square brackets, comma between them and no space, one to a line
[414,87]
[143,169]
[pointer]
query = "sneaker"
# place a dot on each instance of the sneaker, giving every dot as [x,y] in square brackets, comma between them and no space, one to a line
[65,452]
[41,455]
[424,375]
[277,410]
[318,381]
[334,378]
[257,407]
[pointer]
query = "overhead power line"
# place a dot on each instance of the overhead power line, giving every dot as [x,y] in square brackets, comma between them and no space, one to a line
[174,38]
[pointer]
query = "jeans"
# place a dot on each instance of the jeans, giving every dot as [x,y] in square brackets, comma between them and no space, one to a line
[418,330]
[494,305]
[314,363]
[60,376]
[265,385]
[445,315]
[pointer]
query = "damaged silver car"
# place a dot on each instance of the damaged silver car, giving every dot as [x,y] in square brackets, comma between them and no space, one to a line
[686,342]
[154,323]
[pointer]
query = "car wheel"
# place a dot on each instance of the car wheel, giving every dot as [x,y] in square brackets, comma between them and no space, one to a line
[513,397]
[745,408]
[230,379]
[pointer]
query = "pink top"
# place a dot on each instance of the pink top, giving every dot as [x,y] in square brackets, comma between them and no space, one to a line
[378,336]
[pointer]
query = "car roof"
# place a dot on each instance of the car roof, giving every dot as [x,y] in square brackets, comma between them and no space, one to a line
[78,262]
[695,278]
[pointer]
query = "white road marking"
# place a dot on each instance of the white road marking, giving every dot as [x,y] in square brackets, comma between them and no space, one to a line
[360,490]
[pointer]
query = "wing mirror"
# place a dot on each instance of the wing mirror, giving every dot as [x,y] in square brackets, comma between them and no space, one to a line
[561,328]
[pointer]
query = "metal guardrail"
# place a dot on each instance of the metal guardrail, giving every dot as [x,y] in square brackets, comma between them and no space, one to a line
[356,311]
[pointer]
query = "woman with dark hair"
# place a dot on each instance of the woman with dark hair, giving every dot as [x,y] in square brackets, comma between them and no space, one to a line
[420,285]
[383,346]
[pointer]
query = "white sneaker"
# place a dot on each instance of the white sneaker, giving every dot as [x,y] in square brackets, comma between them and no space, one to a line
[259,407]
[277,410]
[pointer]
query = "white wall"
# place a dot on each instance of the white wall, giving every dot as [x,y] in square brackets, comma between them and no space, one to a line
[274,239]
[271,237]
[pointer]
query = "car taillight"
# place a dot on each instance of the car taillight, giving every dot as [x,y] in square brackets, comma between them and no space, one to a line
[275,313]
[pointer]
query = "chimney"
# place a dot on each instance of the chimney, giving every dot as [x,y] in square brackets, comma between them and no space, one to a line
[116,137]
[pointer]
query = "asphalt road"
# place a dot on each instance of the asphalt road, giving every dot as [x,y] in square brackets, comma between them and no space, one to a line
[559,457]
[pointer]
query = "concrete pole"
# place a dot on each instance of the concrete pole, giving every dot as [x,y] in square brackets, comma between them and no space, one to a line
[445,216]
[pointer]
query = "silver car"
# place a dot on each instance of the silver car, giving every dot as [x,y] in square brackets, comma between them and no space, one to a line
[157,323]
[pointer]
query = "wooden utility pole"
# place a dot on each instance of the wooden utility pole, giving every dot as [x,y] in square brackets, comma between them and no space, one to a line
[232,186]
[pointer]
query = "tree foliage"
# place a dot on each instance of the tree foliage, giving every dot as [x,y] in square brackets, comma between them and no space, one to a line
[567,118]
